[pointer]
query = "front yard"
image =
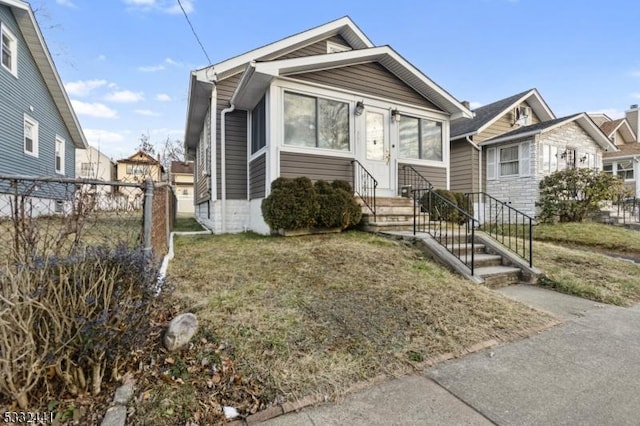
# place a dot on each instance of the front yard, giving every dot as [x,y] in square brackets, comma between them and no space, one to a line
[589,260]
[313,316]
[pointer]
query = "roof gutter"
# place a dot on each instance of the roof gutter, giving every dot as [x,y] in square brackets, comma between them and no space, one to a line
[511,138]
[476,146]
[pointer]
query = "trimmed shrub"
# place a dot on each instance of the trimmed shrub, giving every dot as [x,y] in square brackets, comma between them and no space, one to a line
[438,208]
[337,207]
[292,204]
[342,184]
[463,203]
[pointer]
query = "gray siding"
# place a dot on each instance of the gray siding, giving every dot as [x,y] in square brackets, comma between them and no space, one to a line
[315,167]
[317,48]
[17,95]
[257,177]
[464,167]
[372,79]
[436,175]
[236,143]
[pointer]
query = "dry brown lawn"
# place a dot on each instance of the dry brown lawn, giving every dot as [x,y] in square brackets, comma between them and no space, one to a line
[315,315]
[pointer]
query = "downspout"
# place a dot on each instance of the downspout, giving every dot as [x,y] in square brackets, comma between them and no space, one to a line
[223,168]
[476,146]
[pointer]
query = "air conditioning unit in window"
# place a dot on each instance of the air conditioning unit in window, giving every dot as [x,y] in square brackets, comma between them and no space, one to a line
[524,111]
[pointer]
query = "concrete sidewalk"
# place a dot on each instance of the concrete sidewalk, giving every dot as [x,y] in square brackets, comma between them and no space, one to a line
[585,371]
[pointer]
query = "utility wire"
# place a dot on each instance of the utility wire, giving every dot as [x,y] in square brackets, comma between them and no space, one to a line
[194,31]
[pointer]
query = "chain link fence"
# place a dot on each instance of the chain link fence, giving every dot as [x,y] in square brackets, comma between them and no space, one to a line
[43,217]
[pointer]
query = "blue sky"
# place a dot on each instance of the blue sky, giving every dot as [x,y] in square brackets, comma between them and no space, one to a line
[126,63]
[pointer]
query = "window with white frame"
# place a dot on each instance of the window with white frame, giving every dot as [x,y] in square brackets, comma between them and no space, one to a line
[624,169]
[508,161]
[9,50]
[30,136]
[59,155]
[315,122]
[137,169]
[258,127]
[549,158]
[608,168]
[420,138]
[87,169]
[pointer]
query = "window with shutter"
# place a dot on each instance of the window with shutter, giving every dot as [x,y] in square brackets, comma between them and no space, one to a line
[491,164]
[524,160]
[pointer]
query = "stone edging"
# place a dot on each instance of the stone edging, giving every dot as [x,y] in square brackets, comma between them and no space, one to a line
[288,407]
[116,415]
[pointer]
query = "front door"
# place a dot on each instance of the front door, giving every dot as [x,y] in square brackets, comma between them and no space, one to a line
[377,148]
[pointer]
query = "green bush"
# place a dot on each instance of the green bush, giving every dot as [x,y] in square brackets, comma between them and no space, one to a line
[299,204]
[463,203]
[571,195]
[342,184]
[438,208]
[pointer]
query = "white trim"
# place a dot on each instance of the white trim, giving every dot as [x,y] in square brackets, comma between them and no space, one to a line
[62,142]
[13,48]
[524,98]
[292,42]
[213,148]
[36,138]
[336,47]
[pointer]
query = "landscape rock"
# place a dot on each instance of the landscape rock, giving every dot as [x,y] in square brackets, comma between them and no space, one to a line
[181,329]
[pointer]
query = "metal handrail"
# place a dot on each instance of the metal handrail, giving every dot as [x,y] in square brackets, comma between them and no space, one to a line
[628,209]
[412,176]
[501,224]
[449,225]
[364,185]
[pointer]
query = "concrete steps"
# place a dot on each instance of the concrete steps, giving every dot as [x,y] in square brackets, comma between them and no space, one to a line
[392,214]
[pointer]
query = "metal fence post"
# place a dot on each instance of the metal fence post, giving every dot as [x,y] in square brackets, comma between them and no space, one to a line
[148,215]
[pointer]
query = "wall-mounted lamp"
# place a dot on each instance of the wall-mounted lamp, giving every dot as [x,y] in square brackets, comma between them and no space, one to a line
[564,154]
[359,108]
[583,158]
[395,115]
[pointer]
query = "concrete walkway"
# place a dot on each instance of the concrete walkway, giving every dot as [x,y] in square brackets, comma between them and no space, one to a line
[585,371]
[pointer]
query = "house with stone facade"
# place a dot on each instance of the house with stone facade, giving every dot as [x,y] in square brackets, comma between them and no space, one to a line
[625,161]
[513,143]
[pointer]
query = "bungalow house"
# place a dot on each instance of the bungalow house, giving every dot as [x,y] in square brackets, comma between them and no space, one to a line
[40,131]
[625,162]
[181,177]
[512,144]
[320,104]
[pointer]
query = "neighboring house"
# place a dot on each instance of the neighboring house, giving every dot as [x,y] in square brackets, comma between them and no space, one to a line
[309,105]
[512,144]
[625,162]
[137,169]
[40,131]
[93,164]
[181,174]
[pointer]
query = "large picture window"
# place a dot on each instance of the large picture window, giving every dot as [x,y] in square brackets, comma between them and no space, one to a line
[420,139]
[316,122]
[625,170]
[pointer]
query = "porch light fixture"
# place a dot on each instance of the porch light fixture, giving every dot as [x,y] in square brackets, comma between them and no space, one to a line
[583,158]
[359,108]
[395,115]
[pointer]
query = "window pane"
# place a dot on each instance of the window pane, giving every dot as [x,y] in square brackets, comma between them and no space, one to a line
[375,135]
[6,50]
[258,127]
[545,157]
[509,154]
[299,120]
[333,124]
[409,135]
[507,169]
[607,168]
[431,140]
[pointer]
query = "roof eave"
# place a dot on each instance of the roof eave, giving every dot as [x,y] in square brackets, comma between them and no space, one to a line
[197,106]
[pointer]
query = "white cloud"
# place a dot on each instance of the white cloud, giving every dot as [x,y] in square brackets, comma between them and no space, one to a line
[83,87]
[146,112]
[166,6]
[93,109]
[66,3]
[163,97]
[635,95]
[98,137]
[101,58]
[635,73]
[151,68]
[124,96]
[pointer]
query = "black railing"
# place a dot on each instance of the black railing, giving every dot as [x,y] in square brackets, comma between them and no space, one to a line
[364,185]
[413,178]
[505,224]
[449,225]
[626,210]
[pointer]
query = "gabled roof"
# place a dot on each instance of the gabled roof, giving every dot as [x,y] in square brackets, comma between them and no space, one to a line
[182,167]
[259,75]
[343,26]
[139,157]
[486,115]
[621,125]
[629,150]
[582,119]
[42,57]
